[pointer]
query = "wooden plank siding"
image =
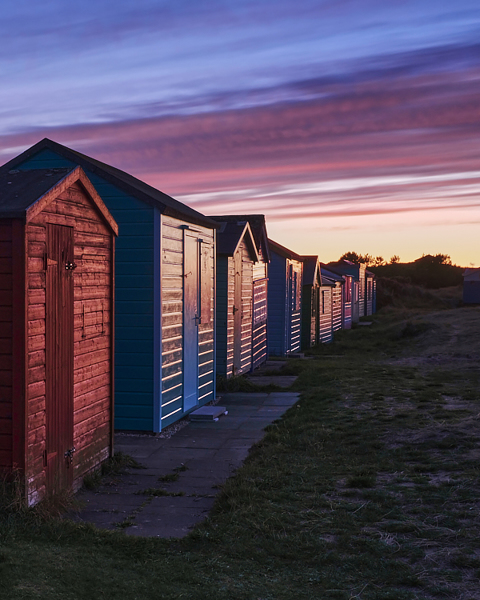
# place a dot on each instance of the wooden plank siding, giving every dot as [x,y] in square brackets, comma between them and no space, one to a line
[294,306]
[337,307]
[6,344]
[172,310]
[326,326]
[284,304]
[348,292]
[91,337]
[260,312]
[225,316]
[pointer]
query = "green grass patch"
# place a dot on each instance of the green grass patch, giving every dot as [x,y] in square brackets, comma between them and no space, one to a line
[368,488]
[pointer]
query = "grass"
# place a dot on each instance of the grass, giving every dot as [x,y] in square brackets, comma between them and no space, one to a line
[368,488]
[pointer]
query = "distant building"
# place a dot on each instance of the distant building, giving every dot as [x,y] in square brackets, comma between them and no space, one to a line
[471,286]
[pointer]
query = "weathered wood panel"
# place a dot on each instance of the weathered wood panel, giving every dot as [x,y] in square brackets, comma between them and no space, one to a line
[337,307]
[172,311]
[326,326]
[91,319]
[6,342]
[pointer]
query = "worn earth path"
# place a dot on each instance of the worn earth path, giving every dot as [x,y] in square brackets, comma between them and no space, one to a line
[182,474]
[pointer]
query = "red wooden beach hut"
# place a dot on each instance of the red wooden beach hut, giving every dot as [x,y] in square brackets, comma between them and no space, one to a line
[56,343]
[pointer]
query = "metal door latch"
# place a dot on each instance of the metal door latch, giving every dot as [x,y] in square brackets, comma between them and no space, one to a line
[69,266]
[69,456]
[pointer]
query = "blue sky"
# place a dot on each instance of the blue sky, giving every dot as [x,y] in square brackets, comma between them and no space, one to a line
[352,125]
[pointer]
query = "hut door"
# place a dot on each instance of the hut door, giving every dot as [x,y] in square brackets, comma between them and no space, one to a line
[237,312]
[59,358]
[191,321]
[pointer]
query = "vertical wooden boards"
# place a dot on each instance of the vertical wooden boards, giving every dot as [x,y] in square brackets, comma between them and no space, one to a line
[191,320]
[12,344]
[199,246]
[294,306]
[69,321]
[259,329]
[326,330]
[237,309]
[337,307]
[59,358]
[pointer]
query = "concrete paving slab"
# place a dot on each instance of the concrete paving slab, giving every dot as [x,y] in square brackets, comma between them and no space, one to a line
[283,381]
[210,451]
[207,413]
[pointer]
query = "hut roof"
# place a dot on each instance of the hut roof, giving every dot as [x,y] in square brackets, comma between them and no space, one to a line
[471,274]
[285,252]
[311,272]
[231,233]
[130,184]
[257,225]
[326,272]
[345,267]
[23,194]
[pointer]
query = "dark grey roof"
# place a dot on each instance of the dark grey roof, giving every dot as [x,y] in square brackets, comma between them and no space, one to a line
[310,270]
[345,267]
[326,272]
[20,189]
[230,234]
[285,252]
[141,190]
[257,225]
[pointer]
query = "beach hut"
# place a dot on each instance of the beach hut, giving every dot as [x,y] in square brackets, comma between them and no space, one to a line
[260,285]
[325,309]
[370,292]
[311,301]
[236,257]
[357,273]
[164,293]
[57,244]
[284,300]
[471,286]
[337,282]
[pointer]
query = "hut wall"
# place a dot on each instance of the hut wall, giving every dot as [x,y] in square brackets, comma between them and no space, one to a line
[326,331]
[337,307]
[284,306]
[172,315]
[222,304]
[247,308]
[259,327]
[92,353]
[135,269]
[348,295]
[277,305]
[310,316]
[226,336]
[294,306]
[368,296]
[361,290]
[6,343]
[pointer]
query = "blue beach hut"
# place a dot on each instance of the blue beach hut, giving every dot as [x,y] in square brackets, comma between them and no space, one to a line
[284,300]
[164,293]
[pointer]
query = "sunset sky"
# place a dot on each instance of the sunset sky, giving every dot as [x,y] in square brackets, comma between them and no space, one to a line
[352,125]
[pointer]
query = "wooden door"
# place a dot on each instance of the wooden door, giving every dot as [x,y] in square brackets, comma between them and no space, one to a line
[59,358]
[191,321]
[237,312]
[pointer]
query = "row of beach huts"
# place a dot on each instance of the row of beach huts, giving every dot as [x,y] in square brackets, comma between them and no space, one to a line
[84,246]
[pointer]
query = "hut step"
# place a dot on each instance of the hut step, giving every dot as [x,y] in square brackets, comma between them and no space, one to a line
[207,413]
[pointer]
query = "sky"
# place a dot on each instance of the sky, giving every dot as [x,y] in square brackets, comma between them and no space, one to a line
[352,125]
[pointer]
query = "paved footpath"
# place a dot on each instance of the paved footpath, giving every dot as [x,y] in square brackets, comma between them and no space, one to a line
[204,454]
